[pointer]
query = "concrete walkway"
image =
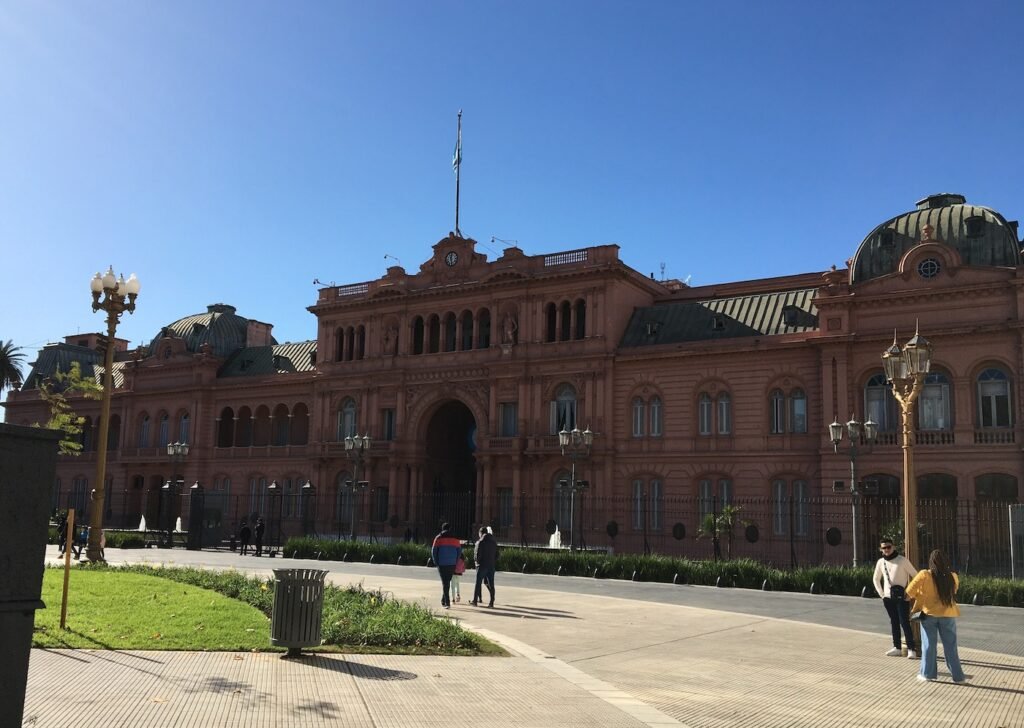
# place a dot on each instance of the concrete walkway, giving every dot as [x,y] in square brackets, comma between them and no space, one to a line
[629,655]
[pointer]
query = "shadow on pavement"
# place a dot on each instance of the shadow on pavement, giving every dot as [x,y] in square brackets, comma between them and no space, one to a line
[357,669]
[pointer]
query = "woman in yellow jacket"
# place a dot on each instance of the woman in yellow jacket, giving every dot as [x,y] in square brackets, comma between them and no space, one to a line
[934,591]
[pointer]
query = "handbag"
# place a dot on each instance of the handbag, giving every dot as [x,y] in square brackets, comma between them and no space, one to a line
[460,566]
[896,592]
[917,616]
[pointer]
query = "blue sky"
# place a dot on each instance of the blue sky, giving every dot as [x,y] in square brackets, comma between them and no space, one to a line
[234,151]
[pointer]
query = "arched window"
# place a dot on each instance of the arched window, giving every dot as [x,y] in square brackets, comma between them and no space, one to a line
[466,340]
[551,319]
[114,432]
[280,426]
[226,428]
[433,334]
[704,413]
[777,412]
[243,432]
[261,427]
[656,417]
[184,428]
[933,408]
[563,409]
[450,332]
[565,330]
[798,411]
[164,431]
[483,340]
[993,399]
[581,319]
[639,415]
[143,440]
[724,413]
[879,404]
[417,335]
[300,425]
[347,419]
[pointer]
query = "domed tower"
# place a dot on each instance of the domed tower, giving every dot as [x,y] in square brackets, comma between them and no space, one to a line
[219,331]
[980,235]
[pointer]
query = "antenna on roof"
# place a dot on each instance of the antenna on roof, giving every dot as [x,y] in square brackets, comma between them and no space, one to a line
[502,240]
[318,282]
[662,271]
[388,255]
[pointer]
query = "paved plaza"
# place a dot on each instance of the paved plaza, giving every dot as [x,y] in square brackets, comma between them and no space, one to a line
[583,653]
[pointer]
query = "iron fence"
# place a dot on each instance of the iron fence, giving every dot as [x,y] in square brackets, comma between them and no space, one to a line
[786,532]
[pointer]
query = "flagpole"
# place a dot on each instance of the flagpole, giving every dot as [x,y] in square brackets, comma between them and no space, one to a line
[458,165]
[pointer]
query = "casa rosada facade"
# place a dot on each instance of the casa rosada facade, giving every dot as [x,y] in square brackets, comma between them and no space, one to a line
[463,373]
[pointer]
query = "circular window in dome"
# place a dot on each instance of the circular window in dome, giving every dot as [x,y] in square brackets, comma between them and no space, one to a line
[929,268]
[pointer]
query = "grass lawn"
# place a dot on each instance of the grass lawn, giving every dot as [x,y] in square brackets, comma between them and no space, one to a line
[109,609]
[158,608]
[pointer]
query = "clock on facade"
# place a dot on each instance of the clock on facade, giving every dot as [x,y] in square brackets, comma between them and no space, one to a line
[452,258]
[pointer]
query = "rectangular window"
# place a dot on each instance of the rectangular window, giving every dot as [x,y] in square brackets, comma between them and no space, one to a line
[163,434]
[656,417]
[638,417]
[777,415]
[654,501]
[724,414]
[388,418]
[638,505]
[183,429]
[934,407]
[780,501]
[704,414]
[798,414]
[508,419]
[380,504]
[790,508]
[505,509]
[144,433]
[801,515]
[257,496]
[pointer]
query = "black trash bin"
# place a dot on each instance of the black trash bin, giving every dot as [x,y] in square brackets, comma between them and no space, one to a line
[298,609]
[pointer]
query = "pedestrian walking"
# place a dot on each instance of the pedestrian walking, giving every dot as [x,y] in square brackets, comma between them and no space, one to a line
[460,569]
[261,528]
[485,555]
[934,593]
[62,531]
[892,574]
[244,534]
[445,552]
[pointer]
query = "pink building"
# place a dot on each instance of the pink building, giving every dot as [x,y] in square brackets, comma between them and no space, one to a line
[464,371]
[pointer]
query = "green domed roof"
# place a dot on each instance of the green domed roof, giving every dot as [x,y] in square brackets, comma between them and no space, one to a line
[979,234]
[220,327]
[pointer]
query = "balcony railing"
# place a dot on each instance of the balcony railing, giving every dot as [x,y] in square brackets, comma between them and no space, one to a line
[994,436]
[935,437]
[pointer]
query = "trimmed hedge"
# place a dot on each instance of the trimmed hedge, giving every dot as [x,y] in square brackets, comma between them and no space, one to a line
[740,573]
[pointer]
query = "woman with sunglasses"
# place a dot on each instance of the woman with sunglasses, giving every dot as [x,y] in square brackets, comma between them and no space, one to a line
[892,574]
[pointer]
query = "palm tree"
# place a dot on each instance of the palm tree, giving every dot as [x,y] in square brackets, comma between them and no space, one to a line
[11,359]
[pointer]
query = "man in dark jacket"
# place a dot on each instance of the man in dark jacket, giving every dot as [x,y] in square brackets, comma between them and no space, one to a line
[261,528]
[445,552]
[244,534]
[485,554]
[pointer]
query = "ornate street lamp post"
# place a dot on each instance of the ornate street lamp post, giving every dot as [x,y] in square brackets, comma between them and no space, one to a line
[115,296]
[906,369]
[176,453]
[854,430]
[357,449]
[575,446]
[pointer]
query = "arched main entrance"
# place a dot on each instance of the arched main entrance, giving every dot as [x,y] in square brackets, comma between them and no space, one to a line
[450,469]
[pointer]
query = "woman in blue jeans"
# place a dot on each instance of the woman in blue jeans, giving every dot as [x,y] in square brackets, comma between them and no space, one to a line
[935,593]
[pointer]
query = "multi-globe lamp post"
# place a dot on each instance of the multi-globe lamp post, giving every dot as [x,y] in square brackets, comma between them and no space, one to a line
[115,295]
[906,368]
[356,449]
[854,431]
[575,445]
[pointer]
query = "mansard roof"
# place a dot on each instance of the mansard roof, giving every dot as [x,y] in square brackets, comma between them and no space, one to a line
[285,358]
[758,314]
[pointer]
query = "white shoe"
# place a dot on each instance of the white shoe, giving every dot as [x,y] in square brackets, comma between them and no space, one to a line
[913,655]
[894,652]
[922,678]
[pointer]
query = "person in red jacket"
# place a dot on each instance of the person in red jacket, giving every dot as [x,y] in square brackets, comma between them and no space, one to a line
[445,552]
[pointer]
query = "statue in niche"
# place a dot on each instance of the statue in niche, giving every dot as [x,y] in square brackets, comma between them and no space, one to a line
[509,327]
[390,340]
